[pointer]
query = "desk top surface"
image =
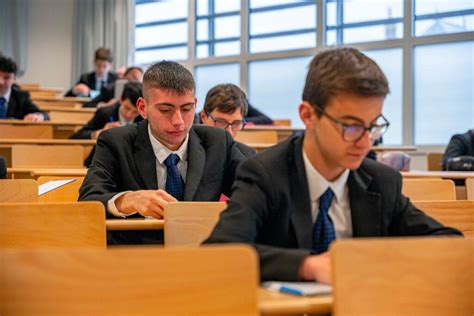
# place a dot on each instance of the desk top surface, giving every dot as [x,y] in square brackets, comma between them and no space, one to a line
[47,123]
[32,141]
[438,174]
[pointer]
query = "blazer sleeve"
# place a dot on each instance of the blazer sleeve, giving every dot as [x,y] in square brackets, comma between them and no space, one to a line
[106,94]
[457,146]
[250,207]
[30,107]
[257,117]
[97,122]
[102,176]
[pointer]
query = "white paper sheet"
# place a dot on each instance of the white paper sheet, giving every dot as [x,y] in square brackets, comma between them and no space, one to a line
[53,184]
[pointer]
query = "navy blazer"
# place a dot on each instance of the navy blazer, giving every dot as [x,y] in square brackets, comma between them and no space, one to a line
[20,104]
[270,208]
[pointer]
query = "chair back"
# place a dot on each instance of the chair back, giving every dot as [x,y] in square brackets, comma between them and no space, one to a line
[403,276]
[66,193]
[435,161]
[44,156]
[253,137]
[18,190]
[211,280]
[470,188]
[458,214]
[190,223]
[52,225]
[429,189]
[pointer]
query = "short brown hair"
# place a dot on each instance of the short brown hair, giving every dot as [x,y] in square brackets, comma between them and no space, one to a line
[169,76]
[103,53]
[226,98]
[342,70]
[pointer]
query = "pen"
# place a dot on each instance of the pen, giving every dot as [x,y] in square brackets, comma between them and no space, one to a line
[289,290]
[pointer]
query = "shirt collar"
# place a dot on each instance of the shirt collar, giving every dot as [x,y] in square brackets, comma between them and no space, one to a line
[317,184]
[7,95]
[162,152]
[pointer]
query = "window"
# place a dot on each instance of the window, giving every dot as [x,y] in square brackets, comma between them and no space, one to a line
[276,87]
[434,17]
[281,25]
[390,61]
[217,28]
[444,94]
[208,76]
[161,30]
[358,21]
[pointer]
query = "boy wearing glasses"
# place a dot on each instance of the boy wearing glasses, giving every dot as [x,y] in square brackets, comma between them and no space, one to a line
[225,107]
[292,200]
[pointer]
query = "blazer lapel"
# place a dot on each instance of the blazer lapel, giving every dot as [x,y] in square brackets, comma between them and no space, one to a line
[196,160]
[366,206]
[144,157]
[301,216]
[12,104]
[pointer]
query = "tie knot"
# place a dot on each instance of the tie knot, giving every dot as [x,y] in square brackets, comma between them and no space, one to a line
[171,160]
[326,199]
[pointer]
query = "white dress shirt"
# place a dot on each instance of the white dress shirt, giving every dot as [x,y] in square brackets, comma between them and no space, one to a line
[340,209]
[161,153]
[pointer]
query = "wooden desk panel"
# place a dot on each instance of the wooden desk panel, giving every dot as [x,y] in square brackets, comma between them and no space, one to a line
[439,174]
[34,173]
[134,224]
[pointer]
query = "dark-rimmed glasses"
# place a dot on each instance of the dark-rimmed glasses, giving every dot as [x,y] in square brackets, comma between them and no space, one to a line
[237,125]
[354,132]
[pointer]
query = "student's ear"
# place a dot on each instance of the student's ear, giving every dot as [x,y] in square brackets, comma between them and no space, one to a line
[307,114]
[203,117]
[141,106]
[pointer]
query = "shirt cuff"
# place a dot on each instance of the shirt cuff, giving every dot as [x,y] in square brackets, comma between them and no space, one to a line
[112,208]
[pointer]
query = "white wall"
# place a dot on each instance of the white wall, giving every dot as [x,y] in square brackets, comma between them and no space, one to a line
[49,43]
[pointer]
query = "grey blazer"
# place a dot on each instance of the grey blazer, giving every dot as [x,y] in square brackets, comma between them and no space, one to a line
[270,208]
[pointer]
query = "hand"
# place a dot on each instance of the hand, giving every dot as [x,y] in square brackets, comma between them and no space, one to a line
[146,202]
[33,117]
[107,126]
[316,267]
[81,89]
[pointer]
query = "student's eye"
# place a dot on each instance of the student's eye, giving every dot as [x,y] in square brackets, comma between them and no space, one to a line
[165,111]
[186,109]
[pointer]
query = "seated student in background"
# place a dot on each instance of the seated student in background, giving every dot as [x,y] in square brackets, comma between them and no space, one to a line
[138,169]
[459,145]
[225,107]
[3,168]
[256,117]
[14,102]
[107,94]
[122,113]
[292,200]
[98,79]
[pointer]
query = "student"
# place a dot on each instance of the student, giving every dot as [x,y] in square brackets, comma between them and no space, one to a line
[256,117]
[459,145]
[225,107]
[3,168]
[122,113]
[97,79]
[138,169]
[292,200]
[107,94]
[14,102]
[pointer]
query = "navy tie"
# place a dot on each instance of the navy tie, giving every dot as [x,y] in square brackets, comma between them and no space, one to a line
[3,108]
[174,182]
[323,229]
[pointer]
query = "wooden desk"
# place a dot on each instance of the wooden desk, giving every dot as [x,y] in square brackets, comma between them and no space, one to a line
[134,224]
[34,173]
[439,174]
[275,303]
[393,148]
[61,130]
[6,145]
[283,131]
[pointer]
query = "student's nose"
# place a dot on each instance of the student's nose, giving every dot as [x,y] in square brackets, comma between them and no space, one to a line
[177,118]
[230,130]
[365,141]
